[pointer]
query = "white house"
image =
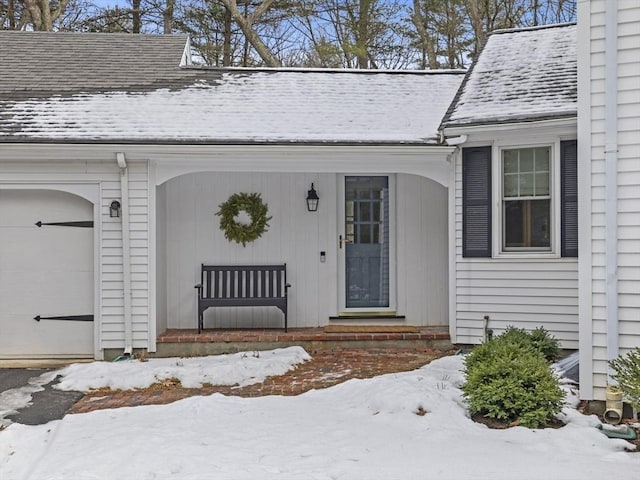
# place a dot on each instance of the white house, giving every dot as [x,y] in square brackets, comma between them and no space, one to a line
[118,118]
[513,204]
[609,192]
[511,197]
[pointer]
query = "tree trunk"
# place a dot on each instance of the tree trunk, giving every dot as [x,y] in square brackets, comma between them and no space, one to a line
[47,22]
[226,41]
[246,25]
[41,15]
[34,12]
[167,17]
[11,15]
[426,42]
[135,16]
[363,35]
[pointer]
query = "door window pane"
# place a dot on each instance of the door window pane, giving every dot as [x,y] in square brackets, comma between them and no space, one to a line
[365,208]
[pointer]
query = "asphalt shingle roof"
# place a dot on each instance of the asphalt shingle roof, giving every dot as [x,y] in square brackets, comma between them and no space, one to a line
[520,75]
[239,105]
[112,88]
[41,64]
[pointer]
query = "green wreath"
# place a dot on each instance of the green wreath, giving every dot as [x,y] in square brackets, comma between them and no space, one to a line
[255,208]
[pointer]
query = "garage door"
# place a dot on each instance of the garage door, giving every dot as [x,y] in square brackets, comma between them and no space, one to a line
[46,272]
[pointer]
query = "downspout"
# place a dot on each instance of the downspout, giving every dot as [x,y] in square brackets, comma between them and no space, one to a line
[126,253]
[611,179]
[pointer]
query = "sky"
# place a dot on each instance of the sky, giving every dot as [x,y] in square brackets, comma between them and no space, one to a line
[361,429]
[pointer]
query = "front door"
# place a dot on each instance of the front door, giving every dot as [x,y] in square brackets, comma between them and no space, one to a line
[365,245]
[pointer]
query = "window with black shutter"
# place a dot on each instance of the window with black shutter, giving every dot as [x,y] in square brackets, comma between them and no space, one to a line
[569,198]
[476,202]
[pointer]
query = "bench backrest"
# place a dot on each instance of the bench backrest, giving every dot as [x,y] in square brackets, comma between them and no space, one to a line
[244,281]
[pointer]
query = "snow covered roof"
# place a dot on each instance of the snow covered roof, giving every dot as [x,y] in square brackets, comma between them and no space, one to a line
[242,105]
[41,64]
[520,75]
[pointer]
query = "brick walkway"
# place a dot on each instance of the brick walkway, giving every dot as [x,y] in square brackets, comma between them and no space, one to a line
[327,368]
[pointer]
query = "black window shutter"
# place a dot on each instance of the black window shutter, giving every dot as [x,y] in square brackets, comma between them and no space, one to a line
[476,202]
[569,198]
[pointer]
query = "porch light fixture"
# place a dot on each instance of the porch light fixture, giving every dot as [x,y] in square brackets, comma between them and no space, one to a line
[312,199]
[114,209]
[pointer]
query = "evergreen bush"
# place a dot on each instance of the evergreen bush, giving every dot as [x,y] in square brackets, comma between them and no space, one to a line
[508,379]
[539,339]
[627,374]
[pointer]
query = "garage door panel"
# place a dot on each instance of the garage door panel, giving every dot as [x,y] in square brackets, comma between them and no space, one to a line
[33,292]
[23,208]
[55,338]
[46,271]
[46,248]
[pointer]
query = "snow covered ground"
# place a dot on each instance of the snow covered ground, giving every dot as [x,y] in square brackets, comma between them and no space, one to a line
[360,429]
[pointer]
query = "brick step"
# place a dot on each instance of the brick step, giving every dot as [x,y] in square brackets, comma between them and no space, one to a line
[187,342]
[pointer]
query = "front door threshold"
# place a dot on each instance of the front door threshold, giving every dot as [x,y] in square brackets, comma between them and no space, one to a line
[368,316]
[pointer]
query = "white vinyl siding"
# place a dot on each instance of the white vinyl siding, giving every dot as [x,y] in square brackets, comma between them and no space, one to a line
[112,297]
[628,186]
[525,293]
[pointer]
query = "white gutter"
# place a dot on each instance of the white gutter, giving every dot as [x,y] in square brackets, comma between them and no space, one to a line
[456,140]
[126,252]
[611,180]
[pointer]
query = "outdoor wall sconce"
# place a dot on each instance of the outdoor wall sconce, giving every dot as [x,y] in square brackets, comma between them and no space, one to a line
[114,209]
[312,199]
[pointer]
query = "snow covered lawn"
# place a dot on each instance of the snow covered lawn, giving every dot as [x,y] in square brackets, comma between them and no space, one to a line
[360,429]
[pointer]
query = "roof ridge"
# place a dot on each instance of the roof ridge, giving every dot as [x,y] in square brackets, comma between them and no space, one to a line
[530,29]
[94,34]
[205,68]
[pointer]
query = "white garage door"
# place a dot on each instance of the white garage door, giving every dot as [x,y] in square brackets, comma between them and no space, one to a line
[45,272]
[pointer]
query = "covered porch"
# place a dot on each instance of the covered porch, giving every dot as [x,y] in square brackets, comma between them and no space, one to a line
[398,195]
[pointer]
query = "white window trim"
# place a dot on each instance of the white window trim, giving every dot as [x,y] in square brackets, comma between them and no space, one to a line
[497,213]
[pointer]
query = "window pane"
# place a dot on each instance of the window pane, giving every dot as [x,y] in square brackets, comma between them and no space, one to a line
[376,211]
[542,184]
[510,161]
[377,238]
[350,232]
[513,224]
[540,222]
[526,160]
[365,212]
[511,185]
[527,224]
[365,233]
[542,159]
[349,211]
[526,184]
[363,192]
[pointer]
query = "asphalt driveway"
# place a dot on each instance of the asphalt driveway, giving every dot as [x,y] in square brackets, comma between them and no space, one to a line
[46,403]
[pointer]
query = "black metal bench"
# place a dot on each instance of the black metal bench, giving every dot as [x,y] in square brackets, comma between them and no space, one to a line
[242,286]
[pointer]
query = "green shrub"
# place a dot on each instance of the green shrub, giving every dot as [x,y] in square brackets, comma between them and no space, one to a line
[539,339]
[627,374]
[545,343]
[508,378]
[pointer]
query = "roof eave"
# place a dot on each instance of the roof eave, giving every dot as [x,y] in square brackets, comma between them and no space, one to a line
[452,129]
[25,140]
